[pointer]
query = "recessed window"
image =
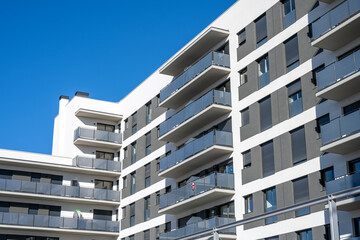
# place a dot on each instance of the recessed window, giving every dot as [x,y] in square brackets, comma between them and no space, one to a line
[354,166]
[356,227]
[265,114]
[243,76]
[351,108]
[270,204]
[167,227]
[133,183]
[263,71]
[304,235]
[245,118]
[247,159]
[242,37]
[146,208]
[267,152]
[105,127]
[321,121]
[248,204]
[148,112]
[327,175]
[134,129]
[147,175]
[261,30]
[148,143]
[301,194]
[298,145]
[132,214]
[104,155]
[295,98]
[133,152]
[289,12]
[292,53]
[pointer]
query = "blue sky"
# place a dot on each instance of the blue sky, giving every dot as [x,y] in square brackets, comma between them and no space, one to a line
[104,47]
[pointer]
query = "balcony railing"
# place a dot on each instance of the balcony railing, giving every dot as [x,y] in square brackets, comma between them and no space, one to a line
[334,17]
[343,183]
[212,97]
[338,71]
[98,135]
[199,226]
[94,163]
[190,149]
[201,185]
[58,222]
[58,190]
[213,58]
[340,127]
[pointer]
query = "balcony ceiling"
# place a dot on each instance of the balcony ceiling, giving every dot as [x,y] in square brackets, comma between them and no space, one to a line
[98,115]
[196,49]
[344,145]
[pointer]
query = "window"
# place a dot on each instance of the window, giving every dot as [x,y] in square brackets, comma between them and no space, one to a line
[158,131]
[321,121]
[134,129]
[126,123]
[263,71]
[248,204]
[157,164]
[167,227]
[351,108]
[123,215]
[133,152]
[245,117]
[301,194]
[241,37]
[104,155]
[168,189]
[132,214]
[148,143]
[133,183]
[243,76]
[148,112]
[147,175]
[270,204]
[157,100]
[354,166]
[327,175]
[298,145]
[304,235]
[327,234]
[147,235]
[289,12]
[265,114]
[134,123]
[132,237]
[315,77]
[105,127]
[125,152]
[247,159]
[356,227]
[295,98]
[146,208]
[103,215]
[124,182]
[261,30]
[157,198]
[101,184]
[267,151]
[292,53]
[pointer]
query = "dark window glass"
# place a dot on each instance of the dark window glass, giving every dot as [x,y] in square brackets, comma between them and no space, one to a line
[104,155]
[298,145]
[132,214]
[133,152]
[265,113]
[357,227]
[354,166]
[263,71]
[289,6]
[146,208]
[148,112]
[105,127]
[167,227]
[321,121]
[295,98]
[245,117]
[247,158]
[102,215]
[248,204]
[148,143]
[267,151]
[134,129]
[304,235]
[243,76]
[261,30]
[133,183]
[351,108]
[147,235]
[242,37]
[301,194]
[147,175]
[327,175]
[292,53]
[270,204]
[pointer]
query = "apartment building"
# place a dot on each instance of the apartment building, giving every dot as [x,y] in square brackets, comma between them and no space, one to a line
[260,111]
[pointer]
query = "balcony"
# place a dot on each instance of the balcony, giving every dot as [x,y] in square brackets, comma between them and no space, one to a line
[196,153]
[94,163]
[342,134]
[38,190]
[201,226]
[202,111]
[327,1]
[98,115]
[97,138]
[210,188]
[340,79]
[195,79]
[337,27]
[58,224]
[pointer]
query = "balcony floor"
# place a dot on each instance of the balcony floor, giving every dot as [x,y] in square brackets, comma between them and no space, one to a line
[341,89]
[197,201]
[97,143]
[344,145]
[201,119]
[195,161]
[340,35]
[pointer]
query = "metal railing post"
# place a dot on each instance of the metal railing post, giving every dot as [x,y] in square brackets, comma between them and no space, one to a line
[334,227]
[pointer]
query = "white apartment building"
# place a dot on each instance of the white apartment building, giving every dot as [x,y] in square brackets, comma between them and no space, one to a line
[260,111]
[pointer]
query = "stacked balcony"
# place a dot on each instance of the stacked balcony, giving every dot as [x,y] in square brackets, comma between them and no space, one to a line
[341,135]
[196,153]
[38,190]
[337,27]
[340,79]
[97,138]
[200,226]
[202,111]
[94,163]
[206,189]
[58,224]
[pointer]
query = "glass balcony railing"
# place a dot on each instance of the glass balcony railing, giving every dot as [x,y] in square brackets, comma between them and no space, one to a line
[97,135]
[58,190]
[213,58]
[340,127]
[58,222]
[264,79]
[289,18]
[194,108]
[334,17]
[199,226]
[201,185]
[338,71]
[343,183]
[210,139]
[94,163]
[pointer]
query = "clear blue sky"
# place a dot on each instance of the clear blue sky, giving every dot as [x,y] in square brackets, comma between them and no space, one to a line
[104,47]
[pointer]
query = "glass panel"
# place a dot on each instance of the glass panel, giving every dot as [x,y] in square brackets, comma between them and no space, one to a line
[298,145]
[267,150]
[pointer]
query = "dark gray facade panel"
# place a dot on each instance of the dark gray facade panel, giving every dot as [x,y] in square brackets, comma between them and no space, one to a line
[255,170]
[285,146]
[141,117]
[252,85]
[313,143]
[316,191]
[250,44]
[306,51]
[156,110]
[258,201]
[303,7]
[274,19]
[308,92]
[253,127]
